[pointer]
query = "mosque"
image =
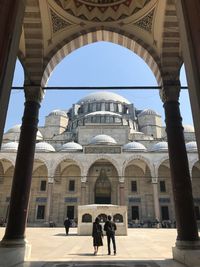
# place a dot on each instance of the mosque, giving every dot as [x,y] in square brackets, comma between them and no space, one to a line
[103,150]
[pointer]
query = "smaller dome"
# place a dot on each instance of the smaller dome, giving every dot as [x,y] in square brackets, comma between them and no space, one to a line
[188,128]
[44,147]
[71,146]
[160,147]
[147,112]
[191,146]
[11,146]
[14,133]
[103,139]
[134,146]
[57,112]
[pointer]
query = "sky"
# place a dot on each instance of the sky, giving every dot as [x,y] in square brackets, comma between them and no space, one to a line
[97,64]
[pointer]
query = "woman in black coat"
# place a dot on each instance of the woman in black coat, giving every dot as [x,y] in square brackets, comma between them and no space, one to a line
[97,235]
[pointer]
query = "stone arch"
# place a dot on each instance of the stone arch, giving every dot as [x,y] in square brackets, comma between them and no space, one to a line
[161,161]
[110,35]
[43,160]
[8,158]
[56,162]
[99,157]
[138,157]
[192,164]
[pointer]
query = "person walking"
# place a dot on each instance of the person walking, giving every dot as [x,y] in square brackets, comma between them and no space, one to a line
[110,228]
[97,235]
[67,224]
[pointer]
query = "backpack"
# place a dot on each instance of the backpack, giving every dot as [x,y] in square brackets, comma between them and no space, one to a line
[110,229]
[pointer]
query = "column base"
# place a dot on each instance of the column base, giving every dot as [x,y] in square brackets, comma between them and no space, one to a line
[14,252]
[187,252]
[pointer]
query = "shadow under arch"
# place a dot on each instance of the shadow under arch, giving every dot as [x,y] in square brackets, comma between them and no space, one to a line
[110,35]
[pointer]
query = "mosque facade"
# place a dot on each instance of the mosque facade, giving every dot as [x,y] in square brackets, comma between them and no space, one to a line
[103,150]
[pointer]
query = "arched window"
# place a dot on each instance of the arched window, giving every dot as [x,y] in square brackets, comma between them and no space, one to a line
[102,217]
[118,218]
[87,218]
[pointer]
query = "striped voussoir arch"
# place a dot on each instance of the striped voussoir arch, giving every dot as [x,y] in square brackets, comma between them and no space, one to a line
[171,59]
[130,42]
[33,43]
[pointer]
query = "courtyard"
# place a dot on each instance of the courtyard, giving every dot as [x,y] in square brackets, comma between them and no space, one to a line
[140,248]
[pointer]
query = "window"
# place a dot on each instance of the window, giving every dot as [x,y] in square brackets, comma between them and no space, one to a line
[165,213]
[197,213]
[134,186]
[162,186]
[98,106]
[40,212]
[107,106]
[71,185]
[135,213]
[43,185]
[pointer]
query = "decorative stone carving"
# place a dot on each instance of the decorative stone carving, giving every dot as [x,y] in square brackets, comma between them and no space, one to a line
[146,22]
[57,22]
[103,150]
[34,93]
[102,10]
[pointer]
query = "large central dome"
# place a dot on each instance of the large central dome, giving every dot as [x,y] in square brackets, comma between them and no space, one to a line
[103,96]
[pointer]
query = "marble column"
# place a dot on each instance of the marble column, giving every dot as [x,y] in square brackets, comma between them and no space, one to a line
[156,199]
[181,182]
[15,229]
[188,13]
[48,215]
[83,190]
[11,18]
[121,194]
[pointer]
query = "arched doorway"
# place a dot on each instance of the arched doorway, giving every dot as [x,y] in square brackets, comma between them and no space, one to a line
[102,189]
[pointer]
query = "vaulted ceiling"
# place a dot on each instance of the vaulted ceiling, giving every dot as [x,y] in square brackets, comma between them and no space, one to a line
[54,28]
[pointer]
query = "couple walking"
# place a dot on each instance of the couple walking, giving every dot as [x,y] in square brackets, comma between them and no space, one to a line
[97,234]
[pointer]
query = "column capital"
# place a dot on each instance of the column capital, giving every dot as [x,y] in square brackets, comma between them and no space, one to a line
[170,91]
[83,179]
[34,93]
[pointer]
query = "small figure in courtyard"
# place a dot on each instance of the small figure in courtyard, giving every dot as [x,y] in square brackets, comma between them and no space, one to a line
[97,235]
[110,228]
[67,224]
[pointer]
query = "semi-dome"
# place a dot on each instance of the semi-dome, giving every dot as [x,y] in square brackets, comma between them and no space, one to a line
[191,146]
[103,96]
[14,133]
[188,128]
[160,147]
[103,139]
[134,146]
[57,112]
[71,146]
[44,147]
[10,146]
[147,112]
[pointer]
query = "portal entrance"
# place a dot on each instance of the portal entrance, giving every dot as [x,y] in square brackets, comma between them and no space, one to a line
[102,189]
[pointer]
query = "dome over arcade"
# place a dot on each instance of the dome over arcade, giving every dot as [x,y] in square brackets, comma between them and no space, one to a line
[191,146]
[103,96]
[134,146]
[57,112]
[44,147]
[147,112]
[103,139]
[71,147]
[103,113]
[10,146]
[188,128]
[160,147]
[14,133]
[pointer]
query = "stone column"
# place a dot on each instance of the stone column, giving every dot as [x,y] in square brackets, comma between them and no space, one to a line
[15,230]
[156,199]
[49,200]
[181,183]
[11,18]
[83,190]
[188,13]
[121,194]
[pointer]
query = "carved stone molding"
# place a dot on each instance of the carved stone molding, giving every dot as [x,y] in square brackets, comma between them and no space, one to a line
[58,23]
[146,22]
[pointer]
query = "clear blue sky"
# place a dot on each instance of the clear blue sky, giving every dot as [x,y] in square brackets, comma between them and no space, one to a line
[98,64]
